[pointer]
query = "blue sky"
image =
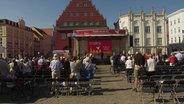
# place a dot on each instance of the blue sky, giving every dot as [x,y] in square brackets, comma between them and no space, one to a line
[44,13]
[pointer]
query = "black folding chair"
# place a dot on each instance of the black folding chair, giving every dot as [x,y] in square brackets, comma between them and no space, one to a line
[155,78]
[178,92]
[166,89]
[73,86]
[148,87]
[85,86]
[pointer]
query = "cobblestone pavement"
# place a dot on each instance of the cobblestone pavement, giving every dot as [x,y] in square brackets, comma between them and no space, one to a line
[113,89]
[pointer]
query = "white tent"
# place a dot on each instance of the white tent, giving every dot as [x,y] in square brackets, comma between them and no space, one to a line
[2,49]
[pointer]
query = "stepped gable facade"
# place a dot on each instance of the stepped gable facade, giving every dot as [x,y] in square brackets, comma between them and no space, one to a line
[78,15]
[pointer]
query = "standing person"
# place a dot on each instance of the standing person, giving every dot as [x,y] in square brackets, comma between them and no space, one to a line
[78,68]
[150,66]
[179,57]
[73,67]
[88,69]
[111,62]
[66,66]
[26,71]
[55,66]
[41,65]
[129,67]
[172,60]
[138,64]
[164,57]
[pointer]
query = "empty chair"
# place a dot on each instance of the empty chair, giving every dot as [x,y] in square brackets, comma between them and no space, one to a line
[179,89]
[85,86]
[155,78]
[144,78]
[149,88]
[179,77]
[73,86]
[166,90]
[167,77]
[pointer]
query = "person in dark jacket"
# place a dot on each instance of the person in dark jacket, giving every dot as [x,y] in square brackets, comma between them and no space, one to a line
[138,64]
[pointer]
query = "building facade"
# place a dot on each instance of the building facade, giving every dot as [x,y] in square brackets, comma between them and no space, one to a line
[147,32]
[79,14]
[44,39]
[16,38]
[176,30]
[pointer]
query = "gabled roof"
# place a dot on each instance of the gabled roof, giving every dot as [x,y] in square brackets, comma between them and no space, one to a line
[81,14]
[39,31]
[48,31]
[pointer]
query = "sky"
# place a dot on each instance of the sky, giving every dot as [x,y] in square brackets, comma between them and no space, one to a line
[44,13]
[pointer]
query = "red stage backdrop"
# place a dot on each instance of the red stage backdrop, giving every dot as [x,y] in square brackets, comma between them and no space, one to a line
[99,46]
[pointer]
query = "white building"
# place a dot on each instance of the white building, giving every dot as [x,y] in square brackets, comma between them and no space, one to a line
[176,27]
[148,31]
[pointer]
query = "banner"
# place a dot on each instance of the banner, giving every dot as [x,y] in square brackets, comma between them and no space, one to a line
[105,32]
[100,46]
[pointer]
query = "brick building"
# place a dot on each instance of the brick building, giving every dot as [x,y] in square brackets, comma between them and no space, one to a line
[79,14]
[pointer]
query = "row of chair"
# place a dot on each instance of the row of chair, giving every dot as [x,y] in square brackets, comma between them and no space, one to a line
[27,86]
[166,88]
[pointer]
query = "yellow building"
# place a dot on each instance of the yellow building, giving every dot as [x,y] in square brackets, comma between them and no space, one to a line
[16,38]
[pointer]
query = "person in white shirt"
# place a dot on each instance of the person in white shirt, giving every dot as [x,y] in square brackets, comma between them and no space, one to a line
[151,64]
[123,58]
[129,66]
[55,66]
[179,57]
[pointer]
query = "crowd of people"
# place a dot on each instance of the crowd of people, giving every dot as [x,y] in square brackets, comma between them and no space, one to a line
[143,64]
[56,66]
[83,67]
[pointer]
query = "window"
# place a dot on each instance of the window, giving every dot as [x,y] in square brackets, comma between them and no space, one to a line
[171,31]
[85,13]
[175,39]
[77,23]
[97,23]
[76,14]
[63,36]
[147,29]
[179,40]
[182,31]
[136,29]
[136,41]
[178,20]
[171,23]
[77,4]
[178,29]
[159,29]
[70,14]
[85,23]
[148,41]
[91,23]
[70,23]
[65,23]
[171,40]
[159,41]
[174,21]
[91,13]
[85,4]
[175,30]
